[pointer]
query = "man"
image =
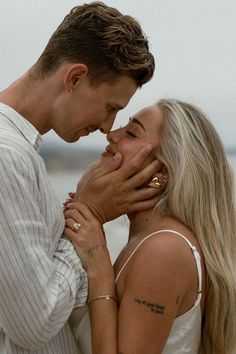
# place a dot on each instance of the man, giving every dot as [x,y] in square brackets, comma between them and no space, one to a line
[91,67]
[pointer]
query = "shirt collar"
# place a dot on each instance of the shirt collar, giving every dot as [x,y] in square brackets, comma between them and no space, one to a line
[21,124]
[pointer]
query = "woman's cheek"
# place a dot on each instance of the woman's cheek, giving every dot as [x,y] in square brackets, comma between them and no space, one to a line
[130,149]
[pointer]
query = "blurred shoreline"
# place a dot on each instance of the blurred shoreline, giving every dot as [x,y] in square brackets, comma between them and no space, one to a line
[66,157]
[61,158]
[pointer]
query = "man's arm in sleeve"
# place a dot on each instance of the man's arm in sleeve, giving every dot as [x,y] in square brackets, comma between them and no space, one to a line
[38,287]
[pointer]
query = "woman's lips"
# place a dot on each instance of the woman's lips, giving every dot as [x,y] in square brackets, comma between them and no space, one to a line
[108,152]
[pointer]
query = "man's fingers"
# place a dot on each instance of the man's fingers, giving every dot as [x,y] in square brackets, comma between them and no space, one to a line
[144,205]
[82,210]
[135,163]
[112,164]
[143,177]
[144,194]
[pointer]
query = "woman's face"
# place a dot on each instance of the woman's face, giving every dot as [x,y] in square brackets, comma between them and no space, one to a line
[144,127]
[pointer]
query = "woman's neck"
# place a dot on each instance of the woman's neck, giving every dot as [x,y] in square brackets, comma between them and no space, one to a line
[144,222]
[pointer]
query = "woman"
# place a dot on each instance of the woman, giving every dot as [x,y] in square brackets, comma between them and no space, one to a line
[175,278]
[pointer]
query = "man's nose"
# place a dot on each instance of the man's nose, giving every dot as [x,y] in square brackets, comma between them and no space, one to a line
[106,126]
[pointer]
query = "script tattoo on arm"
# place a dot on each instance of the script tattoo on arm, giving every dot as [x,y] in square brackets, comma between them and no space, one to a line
[156,308]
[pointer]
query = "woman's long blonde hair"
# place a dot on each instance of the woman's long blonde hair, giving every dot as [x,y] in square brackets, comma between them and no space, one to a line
[200,194]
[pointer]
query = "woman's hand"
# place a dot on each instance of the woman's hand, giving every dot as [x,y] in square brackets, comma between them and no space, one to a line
[90,244]
[71,196]
[110,191]
[90,234]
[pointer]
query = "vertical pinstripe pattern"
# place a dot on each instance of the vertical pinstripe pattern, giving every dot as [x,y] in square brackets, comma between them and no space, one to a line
[41,277]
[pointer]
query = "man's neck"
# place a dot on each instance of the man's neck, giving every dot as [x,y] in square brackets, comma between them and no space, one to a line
[28,98]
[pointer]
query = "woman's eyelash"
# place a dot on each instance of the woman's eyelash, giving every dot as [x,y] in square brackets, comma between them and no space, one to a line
[128,132]
[131,134]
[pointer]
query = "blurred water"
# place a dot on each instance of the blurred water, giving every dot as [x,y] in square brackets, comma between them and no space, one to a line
[117,230]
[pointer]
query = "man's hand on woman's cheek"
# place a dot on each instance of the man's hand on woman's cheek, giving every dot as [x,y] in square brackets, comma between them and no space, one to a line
[110,191]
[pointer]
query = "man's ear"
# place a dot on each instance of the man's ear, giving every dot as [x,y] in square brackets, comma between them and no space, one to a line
[73,75]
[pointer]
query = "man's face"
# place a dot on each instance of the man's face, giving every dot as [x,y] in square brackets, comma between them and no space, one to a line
[88,108]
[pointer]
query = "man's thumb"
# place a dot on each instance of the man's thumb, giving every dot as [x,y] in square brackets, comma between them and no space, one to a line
[112,164]
[117,160]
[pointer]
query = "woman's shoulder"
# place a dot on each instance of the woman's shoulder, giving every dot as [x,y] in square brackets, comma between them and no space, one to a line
[169,235]
[163,246]
[166,256]
[169,239]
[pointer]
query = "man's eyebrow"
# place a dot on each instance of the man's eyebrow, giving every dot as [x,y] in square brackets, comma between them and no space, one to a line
[135,120]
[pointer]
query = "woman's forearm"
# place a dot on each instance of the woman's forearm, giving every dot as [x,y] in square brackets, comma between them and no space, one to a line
[90,244]
[102,302]
[103,317]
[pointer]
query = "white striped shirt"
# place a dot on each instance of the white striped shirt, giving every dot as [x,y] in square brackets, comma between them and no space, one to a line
[41,277]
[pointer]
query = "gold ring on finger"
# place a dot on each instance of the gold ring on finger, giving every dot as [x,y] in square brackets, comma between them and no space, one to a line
[76,226]
[155,183]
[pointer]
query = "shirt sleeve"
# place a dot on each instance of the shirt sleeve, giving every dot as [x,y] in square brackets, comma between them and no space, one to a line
[39,286]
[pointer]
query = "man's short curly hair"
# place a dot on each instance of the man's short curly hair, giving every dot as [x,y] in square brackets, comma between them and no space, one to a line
[99,36]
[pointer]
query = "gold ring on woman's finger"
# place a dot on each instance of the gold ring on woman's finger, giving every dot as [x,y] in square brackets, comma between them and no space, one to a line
[76,226]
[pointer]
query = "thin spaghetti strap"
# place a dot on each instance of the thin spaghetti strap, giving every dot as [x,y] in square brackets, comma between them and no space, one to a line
[129,258]
[193,248]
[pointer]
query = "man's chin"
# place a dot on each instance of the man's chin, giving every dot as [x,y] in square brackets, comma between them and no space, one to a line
[71,139]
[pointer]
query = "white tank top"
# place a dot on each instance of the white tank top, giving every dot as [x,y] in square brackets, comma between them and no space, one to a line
[185,334]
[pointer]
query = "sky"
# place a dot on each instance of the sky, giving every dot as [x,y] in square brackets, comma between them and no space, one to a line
[193,41]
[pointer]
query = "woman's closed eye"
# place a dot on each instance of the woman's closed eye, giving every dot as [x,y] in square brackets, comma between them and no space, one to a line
[128,132]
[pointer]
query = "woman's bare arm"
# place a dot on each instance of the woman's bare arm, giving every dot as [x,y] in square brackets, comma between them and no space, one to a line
[155,285]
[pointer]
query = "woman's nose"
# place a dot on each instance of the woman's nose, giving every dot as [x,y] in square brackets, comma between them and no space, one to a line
[109,137]
[113,136]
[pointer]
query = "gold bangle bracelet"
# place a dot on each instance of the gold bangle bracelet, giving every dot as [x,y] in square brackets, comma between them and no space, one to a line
[106,297]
